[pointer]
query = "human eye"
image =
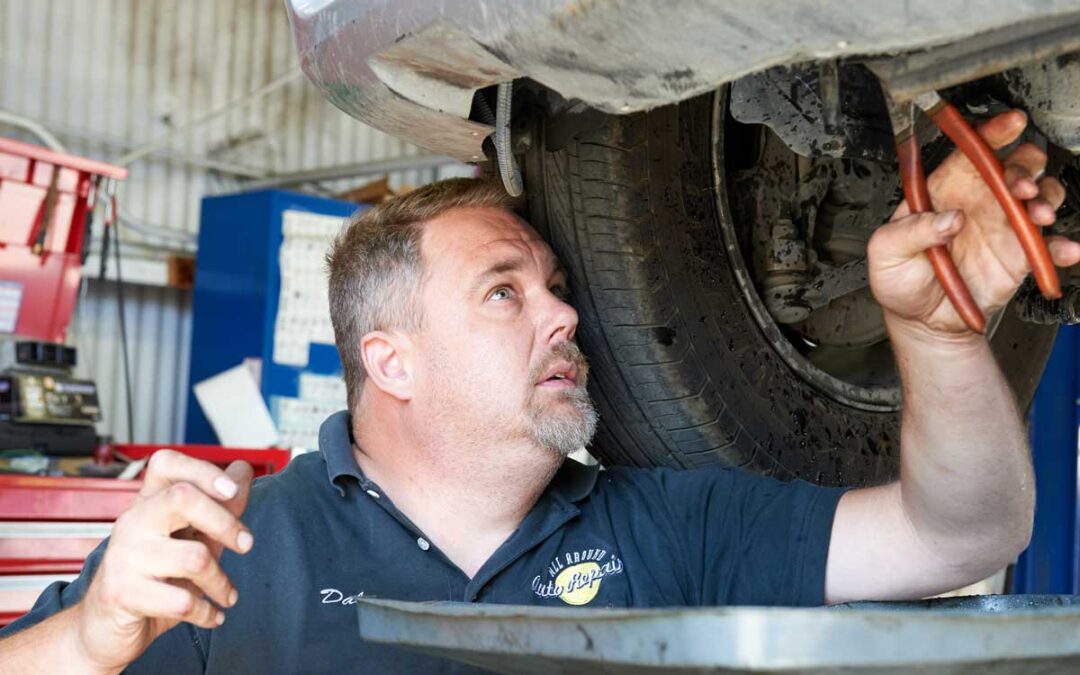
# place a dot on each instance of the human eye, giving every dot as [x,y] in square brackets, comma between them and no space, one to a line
[501,293]
[561,291]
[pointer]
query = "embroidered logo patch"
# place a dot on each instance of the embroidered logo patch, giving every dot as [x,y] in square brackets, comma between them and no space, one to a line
[574,577]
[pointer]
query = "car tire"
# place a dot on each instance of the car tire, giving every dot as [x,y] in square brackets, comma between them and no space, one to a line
[683,372]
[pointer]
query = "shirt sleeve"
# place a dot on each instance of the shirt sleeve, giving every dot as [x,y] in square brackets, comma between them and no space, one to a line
[179,650]
[751,540]
[58,596]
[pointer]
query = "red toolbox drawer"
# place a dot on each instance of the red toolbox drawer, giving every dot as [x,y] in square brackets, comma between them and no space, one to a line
[48,525]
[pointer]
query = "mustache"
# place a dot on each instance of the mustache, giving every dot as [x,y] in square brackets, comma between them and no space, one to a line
[564,351]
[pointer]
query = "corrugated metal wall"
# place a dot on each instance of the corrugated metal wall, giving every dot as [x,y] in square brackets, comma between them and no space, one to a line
[159,333]
[107,76]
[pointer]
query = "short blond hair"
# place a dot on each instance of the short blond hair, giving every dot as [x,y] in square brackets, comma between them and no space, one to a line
[376,268]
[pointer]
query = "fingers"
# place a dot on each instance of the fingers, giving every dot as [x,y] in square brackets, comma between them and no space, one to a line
[149,597]
[1024,174]
[1043,198]
[1022,183]
[240,472]
[174,573]
[1003,129]
[191,560]
[1043,209]
[162,565]
[182,505]
[1052,192]
[167,467]
[1023,167]
[905,238]
[1064,252]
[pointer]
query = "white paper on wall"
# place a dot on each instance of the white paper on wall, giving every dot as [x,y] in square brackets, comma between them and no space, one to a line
[11,293]
[232,403]
[303,314]
[299,419]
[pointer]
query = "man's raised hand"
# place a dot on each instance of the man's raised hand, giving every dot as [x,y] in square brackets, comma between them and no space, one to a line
[161,564]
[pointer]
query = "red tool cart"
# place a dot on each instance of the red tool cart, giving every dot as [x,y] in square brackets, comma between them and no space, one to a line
[263,460]
[46,199]
[49,525]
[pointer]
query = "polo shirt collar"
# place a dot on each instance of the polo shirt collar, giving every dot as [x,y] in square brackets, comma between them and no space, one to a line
[336,446]
[572,483]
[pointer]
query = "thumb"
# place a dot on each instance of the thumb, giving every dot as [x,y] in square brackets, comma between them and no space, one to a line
[241,473]
[907,237]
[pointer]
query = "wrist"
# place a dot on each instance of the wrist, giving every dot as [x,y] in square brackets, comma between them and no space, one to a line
[907,331]
[78,648]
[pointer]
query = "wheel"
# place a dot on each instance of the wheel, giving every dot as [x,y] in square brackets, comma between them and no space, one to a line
[658,218]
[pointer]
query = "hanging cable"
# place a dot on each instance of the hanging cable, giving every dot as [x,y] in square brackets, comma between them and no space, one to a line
[508,168]
[44,135]
[112,224]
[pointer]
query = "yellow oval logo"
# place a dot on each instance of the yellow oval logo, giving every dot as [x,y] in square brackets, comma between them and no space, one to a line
[580,583]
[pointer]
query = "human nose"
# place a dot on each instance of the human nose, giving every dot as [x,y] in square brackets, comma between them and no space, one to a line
[560,321]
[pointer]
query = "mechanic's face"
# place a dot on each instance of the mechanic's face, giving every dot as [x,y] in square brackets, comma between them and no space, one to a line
[497,350]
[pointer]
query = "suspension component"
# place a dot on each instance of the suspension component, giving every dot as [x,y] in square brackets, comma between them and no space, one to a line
[786,268]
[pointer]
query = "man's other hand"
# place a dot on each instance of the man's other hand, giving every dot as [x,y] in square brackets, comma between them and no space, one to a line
[161,564]
[973,226]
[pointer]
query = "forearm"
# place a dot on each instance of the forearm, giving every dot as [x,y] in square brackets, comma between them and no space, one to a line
[51,646]
[966,484]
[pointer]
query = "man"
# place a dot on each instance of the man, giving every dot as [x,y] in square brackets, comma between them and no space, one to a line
[448,481]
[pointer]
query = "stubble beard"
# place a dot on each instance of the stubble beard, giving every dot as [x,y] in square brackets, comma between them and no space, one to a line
[567,421]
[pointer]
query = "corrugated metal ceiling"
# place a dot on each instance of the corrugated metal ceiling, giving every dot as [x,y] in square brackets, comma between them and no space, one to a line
[107,76]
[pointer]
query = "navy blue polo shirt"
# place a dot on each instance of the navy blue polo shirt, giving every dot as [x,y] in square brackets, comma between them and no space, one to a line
[325,534]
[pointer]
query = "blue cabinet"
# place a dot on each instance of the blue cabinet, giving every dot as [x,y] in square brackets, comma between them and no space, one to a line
[260,292]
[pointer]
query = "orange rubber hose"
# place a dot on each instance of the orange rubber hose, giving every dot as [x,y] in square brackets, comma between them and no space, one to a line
[913,179]
[952,123]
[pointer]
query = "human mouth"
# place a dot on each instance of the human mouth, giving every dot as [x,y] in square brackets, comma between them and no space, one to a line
[560,375]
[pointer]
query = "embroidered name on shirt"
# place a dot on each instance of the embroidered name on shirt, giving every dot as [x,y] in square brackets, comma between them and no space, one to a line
[332,596]
[574,577]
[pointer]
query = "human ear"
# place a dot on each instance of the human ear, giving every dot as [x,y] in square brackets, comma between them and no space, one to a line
[387,362]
